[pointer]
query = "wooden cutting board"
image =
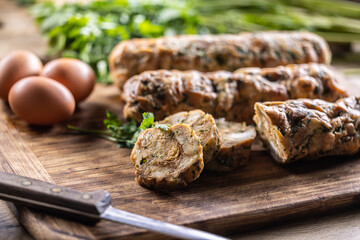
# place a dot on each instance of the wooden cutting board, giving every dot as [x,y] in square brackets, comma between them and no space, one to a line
[223,203]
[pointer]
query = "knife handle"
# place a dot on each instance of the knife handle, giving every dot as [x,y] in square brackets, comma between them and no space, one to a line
[56,199]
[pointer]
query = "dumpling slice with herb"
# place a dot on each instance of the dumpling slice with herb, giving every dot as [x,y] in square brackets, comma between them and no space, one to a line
[167,158]
[204,126]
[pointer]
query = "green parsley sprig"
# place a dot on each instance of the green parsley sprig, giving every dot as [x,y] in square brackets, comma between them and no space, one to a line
[148,122]
[124,134]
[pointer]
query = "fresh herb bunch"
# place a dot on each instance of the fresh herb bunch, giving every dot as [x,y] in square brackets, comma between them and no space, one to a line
[25,2]
[89,32]
[335,20]
[124,134]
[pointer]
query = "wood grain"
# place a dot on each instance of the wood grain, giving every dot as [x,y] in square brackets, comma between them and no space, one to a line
[10,228]
[16,157]
[17,25]
[342,225]
[224,203]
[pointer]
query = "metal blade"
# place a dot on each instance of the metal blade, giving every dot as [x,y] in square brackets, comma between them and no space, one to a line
[153,225]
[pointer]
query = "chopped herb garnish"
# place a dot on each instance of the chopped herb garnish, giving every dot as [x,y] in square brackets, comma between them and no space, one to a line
[143,161]
[164,127]
[124,134]
[148,121]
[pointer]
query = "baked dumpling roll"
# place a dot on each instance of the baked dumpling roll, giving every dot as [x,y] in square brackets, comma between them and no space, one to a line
[309,129]
[207,53]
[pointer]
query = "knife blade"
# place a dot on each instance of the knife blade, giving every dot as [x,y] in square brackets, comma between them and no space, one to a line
[89,206]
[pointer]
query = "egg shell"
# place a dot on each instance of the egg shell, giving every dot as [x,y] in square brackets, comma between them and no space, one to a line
[41,101]
[76,75]
[15,66]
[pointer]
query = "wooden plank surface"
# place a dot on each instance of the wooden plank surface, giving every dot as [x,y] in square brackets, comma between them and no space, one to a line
[17,158]
[332,226]
[9,226]
[225,203]
[18,31]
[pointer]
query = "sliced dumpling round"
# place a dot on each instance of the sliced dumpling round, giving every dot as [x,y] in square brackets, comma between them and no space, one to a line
[236,140]
[167,160]
[204,126]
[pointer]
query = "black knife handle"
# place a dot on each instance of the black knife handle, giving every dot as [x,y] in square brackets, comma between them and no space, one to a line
[57,199]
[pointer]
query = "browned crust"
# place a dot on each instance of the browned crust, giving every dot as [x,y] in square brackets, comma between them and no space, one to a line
[309,129]
[216,52]
[225,94]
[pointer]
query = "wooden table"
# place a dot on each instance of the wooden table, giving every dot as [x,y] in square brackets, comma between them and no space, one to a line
[342,224]
[16,31]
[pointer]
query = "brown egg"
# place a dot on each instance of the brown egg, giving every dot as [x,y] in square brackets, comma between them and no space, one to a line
[15,66]
[41,101]
[76,75]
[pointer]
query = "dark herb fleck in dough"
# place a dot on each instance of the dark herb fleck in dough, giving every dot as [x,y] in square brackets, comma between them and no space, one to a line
[309,128]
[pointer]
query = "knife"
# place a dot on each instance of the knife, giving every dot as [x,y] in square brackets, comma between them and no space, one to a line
[89,206]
